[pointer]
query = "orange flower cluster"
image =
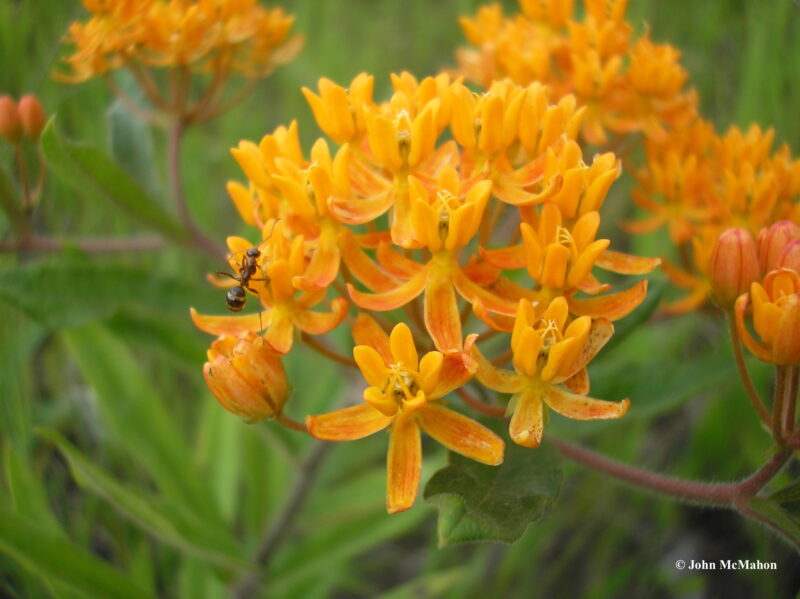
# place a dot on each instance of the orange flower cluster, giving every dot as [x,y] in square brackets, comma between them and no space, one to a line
[627,85]
[698,184]
[217,36]
[466,211]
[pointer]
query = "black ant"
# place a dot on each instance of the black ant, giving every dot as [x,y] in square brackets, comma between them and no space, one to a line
[236,297]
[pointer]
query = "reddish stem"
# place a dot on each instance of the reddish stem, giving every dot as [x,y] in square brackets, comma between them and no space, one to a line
[483,408]
[741,366]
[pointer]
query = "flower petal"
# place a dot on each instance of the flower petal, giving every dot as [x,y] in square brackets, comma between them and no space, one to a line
[361,266]
[367,331]
[456,370]
[280,333]
[472,292]
[357,211]
[348,424]
[319,323]
[527,423]
[371,364]
[404,464]
[599,334]
[612,306]
[626,264]
[461,434]
[750,343]
[229,325]
[441,313]
[401,342]
[324,264]
[389,300]
[580,407]
[498,379]
[578,382]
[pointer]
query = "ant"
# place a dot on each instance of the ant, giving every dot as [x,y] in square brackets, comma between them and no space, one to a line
[236,297]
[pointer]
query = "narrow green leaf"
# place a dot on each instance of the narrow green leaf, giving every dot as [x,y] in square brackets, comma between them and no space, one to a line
[434,584]
[62,562]
[68,293]
[778,519]
[494,503]
[88,169]
[27,492]
[139,419]
[166,521]
[10,202]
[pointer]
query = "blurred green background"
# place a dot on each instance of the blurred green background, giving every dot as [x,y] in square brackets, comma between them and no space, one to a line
[157,490]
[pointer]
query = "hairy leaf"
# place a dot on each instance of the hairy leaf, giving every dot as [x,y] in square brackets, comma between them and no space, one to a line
[494,503]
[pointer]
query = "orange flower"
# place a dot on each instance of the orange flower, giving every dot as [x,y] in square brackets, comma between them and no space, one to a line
[282,261]
[550,357]
[776,318]
[401,393]
[246,376]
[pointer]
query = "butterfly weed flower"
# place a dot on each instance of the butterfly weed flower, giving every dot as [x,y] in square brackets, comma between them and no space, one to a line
[402,396]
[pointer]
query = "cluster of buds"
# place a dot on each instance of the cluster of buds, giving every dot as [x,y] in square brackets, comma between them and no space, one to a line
[468,212]
[627,85]
[697,185]
[23,119]
[218,38]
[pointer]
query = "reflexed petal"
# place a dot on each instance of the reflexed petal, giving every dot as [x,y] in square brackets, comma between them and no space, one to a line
[319,323]
[578,382]
[371,364]
[612,306]
[229,325]
[496,322]
[324,264]
[580,407]
[505,258]
[626,264]
[280,333]
[527,423]
[750,343]
[441,313]
[473,292]
[602,330]
[396,263]
[498,379]
[404,464]
[349,424]
[461,434]
[786,345]
[389,300]
[362,266]
[367,331]
[456,370]
[360,210]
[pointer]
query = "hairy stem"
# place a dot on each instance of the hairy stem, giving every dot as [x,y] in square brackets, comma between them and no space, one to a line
[328,352]
[477,404]
[752,392]
[715,494]
[92,246]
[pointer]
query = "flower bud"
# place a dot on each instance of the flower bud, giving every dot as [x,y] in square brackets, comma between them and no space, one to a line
[9,120]
[790,257]
[733,266]
[771,242]
[31,116]
[246,376]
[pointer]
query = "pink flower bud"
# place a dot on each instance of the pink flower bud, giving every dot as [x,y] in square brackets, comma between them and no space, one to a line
[733,266]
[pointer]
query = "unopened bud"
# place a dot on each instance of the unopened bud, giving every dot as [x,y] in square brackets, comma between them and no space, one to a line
[246,376]
[31,115]
[790,257]
[772,241]
[10,128]
[733,266]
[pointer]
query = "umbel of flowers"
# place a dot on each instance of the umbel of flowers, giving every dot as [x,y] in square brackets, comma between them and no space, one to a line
[446,210]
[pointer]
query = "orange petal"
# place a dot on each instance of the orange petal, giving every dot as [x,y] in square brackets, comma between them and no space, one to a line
[578,382]
[362,267]
[750,343]
[324,264]
[580,407]
[319,323]
[357,211]
[441,313]
[489,301]
[371,364]
[599,334]
[229,325]
[456,370]
[396,263]
[612,306]
[348,424]
[389,300]
[430,366]
[527,423]
[280,333]
[401,343]
[626,264]
[497,379]
[367,331]
[505,258]
[496,322]
[461,434]
[404,464]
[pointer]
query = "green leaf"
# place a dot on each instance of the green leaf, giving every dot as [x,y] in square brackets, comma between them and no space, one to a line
[494,503]
[62,562]
[132,409]
[69,293]
[167,521]
[88,169]
[10,202]
[771,514]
